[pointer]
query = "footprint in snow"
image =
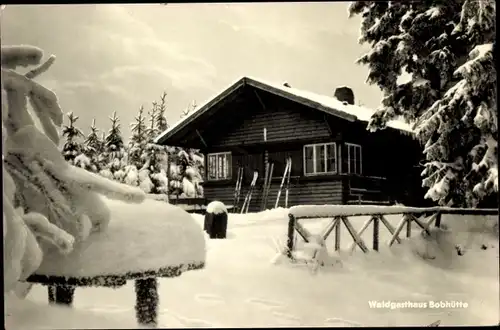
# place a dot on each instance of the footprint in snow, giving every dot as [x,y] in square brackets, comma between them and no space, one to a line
[209,298]
[107,309]
[288,319]
[187,322]
[264,304]
[338,322]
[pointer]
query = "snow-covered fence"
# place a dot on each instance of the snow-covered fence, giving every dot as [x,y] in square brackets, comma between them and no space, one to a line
[423,217]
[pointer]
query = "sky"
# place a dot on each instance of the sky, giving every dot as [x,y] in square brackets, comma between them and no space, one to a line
[119,57]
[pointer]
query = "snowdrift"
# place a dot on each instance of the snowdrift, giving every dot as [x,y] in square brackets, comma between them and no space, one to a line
[140,237]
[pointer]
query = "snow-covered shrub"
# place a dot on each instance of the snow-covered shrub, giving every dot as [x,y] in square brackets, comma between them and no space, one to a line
[46,201]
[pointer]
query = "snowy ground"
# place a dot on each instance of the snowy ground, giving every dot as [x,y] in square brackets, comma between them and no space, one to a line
[241,288]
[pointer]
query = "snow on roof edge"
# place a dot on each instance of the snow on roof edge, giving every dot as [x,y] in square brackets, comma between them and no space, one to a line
[361,113]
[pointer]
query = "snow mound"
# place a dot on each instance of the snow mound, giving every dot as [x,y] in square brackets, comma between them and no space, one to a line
[216,207]
[140,237]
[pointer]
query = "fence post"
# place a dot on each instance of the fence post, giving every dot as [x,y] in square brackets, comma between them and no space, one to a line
[291,228]
[337,235]
[376,221]
[408,225]
[438,220]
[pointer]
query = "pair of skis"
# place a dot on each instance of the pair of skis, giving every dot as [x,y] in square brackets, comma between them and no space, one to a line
[237,189]
[267,185]
[248,197]
[286,176]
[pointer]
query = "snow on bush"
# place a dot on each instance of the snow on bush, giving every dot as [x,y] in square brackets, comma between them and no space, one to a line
[47,202]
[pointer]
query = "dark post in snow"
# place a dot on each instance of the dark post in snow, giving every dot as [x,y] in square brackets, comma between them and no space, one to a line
[215,223]
[291,228]
[61,294]
[146,306]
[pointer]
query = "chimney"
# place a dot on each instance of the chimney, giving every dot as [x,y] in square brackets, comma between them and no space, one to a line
[344,94]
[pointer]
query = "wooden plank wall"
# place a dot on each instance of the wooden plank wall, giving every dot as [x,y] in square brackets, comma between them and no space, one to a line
[300,193]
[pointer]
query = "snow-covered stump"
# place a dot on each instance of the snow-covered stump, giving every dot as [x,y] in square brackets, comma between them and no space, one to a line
[142,243]
[215,223]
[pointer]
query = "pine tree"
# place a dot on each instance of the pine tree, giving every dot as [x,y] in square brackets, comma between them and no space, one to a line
[114,151]
[152,127]
[160,119]
[73,146]
[138,139]
[93,147]
[446,48]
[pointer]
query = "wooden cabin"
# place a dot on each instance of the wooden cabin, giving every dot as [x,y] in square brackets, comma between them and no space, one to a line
[335,159]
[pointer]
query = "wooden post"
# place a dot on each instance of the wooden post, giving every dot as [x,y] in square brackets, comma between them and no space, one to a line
[337,236]
[61,294]
[146,305]
[408,226]
[375,232]
[289,242]
[168,176]
[438,220]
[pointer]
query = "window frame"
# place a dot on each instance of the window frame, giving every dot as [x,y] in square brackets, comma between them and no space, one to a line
[325,158]
[228,159]
[349,145]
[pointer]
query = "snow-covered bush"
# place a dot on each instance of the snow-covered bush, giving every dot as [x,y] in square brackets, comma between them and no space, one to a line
[47,202]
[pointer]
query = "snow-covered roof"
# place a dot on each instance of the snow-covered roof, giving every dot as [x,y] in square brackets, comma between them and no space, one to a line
[328,104]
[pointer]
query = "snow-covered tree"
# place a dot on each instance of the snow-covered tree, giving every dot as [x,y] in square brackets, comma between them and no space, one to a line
[138,139]
[445,50]
[114,151]
[73,145]
[160,119]
[92,148]
[152,126]
[46,201]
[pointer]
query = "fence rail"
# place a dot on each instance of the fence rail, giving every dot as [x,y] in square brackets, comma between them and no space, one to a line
[423,217]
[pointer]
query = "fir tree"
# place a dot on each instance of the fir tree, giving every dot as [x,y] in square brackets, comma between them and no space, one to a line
[114,151]
[152,127]
[160,119]
[446,48]
[138,139]
[73,146]
[93,147]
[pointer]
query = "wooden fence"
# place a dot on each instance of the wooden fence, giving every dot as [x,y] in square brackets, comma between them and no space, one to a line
[423,217]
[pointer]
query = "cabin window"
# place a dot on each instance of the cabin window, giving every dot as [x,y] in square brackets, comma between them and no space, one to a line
[219,166]
[354,159]
[320,158]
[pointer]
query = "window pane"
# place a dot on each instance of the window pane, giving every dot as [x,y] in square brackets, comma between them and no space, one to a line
[229,166]
[331,161]
[352,159]
[220,166]
[358,160]
[211,167]
[320,158]
[309,160]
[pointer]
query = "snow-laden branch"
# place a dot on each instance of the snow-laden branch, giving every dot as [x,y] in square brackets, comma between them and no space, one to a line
[13,56]
[41,68]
